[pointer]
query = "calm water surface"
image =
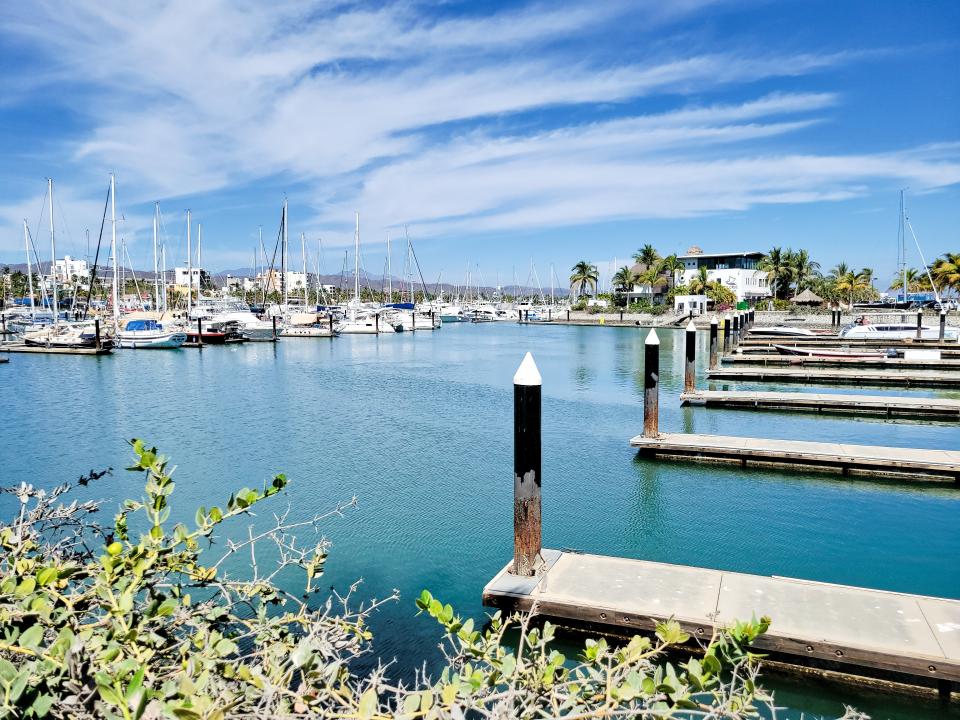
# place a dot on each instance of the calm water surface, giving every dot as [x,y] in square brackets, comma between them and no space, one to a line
[418,428]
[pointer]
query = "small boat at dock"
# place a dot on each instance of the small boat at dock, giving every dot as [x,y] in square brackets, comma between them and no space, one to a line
[833,353]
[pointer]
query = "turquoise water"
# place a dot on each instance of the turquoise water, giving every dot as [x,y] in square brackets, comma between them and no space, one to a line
[418,428]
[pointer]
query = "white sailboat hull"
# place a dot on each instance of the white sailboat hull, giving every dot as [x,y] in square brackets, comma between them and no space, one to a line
[151,339]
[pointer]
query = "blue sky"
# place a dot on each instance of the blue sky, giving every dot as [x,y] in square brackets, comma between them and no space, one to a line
[497,132]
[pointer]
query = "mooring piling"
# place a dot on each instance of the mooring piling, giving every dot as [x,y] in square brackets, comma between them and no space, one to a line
[943,325]
[199,333]
[330,323]
[96,333]
[690,365]
[919,323]
[713,343]
[274,327]
[726,333]
[735,336]
[527,533]
[651,382]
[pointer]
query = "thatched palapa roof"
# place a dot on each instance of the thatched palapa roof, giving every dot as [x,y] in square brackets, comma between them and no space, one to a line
[807,297]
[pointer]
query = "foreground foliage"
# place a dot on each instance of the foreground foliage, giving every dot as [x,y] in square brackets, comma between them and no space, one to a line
[142,620]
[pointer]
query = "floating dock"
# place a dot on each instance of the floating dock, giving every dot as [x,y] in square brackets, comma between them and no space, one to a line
[861,631]
[882,405]
[833,340]
[910,464]
[22,348]
[839,376]
[777,360]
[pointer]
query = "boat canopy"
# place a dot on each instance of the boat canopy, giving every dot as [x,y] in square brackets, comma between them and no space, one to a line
[143,325]
[401,306]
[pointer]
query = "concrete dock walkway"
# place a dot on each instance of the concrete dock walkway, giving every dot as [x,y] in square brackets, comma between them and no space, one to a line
[909,464]
[856,628]
[838,376]
[882,405]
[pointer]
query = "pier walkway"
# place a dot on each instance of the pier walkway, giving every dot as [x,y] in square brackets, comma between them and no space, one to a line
[42,350]
[775,360]
[856,628]
[882,405]
[838,376]
[903,463]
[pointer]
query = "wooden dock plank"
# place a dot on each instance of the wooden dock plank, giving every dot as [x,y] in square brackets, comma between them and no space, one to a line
[904,463]
[887,406]
[776,360]
[859,628]
[22,348]
[838,376]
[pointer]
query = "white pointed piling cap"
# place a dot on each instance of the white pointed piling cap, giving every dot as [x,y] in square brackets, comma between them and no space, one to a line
[652,338]
[727,316]
[527,373]
[691,327]
[714,321]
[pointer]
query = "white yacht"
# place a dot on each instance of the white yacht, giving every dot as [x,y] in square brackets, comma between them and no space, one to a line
[876,328]
[149,334]
[227,314]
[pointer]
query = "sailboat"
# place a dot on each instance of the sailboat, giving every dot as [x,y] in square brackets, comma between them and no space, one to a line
[59,333]
[360,320]
[303,323]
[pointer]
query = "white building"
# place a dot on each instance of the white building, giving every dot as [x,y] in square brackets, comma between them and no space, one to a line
[296,281]
[690,304]
[736,271]
[69,267]
[198,276]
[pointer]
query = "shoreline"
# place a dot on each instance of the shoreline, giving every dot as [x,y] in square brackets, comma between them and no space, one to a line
[764,318]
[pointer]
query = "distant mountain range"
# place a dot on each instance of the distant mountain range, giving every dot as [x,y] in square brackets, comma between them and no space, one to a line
[372,281]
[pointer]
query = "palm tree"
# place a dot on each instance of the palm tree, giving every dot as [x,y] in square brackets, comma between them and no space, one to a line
[670,266]
[804,270]
[855,286]
[917,280]
[584,276]
[623,279]
[946,272]
[779,268]
[647,255]
[698,285]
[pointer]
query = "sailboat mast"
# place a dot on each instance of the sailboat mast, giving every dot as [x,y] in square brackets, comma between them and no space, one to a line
[189,267]
[283,255]
[156,278]
[199,258]
[389,271]
[903,244]
[303,251]
[163,273]
[113,249]
[356,261]
[26,244]
[53,256]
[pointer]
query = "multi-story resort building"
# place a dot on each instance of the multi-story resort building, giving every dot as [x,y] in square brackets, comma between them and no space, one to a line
[736,271]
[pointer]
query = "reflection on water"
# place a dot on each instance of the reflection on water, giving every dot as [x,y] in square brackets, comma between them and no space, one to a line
[418,427]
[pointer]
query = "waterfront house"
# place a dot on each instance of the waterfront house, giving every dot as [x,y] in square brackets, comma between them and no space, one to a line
[736,271]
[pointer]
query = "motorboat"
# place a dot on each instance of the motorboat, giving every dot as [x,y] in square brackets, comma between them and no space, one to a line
[305,324]
[224,315]
[150,334]
[784,331]
[867,328]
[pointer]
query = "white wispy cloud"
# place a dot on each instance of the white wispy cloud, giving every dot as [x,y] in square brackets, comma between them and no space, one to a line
[420,119]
